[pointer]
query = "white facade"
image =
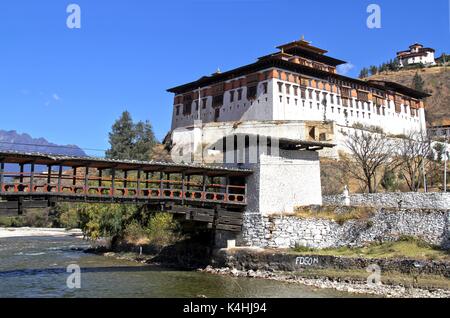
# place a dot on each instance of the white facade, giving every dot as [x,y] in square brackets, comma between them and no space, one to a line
[283,101]
[281,183]
[238,108]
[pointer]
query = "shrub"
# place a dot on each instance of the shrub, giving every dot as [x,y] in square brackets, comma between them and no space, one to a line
[37,218]
[162,230]
[135,233]
[415,240]
[6,221]
[67,216]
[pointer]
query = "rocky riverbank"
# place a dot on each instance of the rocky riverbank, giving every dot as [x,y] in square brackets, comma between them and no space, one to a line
[354,287]
[349,285]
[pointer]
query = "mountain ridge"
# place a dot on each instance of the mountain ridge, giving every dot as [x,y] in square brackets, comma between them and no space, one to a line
[22,142]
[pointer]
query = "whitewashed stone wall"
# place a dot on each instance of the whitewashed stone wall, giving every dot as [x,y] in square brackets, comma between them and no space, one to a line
[386,225]
[281,183]
[394,200]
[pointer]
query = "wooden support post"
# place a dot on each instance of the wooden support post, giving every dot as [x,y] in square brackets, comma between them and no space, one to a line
[204,185]
[2,177]
[182,187]
[100,178]
[21,173]
[146,179]
[74,176]
[49,177]
[227,187]
[59,178]
[86,181]
[188,183]
[138,186]
[31,178]
[169,186]
[125,179]
[161,184]
[113,179]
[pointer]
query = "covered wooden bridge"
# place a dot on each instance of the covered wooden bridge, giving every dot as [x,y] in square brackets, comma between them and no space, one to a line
[215,195]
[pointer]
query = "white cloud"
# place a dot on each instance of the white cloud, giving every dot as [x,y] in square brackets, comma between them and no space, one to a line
[56,97]
[345,68]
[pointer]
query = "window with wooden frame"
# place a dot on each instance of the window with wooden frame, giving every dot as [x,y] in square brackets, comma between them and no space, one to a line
[346,92]
[378,100]
[231,96]
[204,102]
[187,104]
[345,101]
[239,97]
[303,92]
[363,96]
[217,89]
[265,88]
[280,87]
[251,92]
[217,101]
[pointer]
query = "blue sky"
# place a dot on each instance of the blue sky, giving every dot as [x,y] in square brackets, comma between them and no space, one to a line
[70,85]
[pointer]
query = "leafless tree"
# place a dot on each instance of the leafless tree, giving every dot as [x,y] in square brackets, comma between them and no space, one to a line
[413,152]
[369,152]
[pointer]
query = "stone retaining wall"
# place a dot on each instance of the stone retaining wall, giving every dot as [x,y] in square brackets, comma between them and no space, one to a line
[394,200]
[385,225]
[248,259]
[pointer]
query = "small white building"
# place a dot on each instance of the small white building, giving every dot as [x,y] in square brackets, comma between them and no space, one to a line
[416,54]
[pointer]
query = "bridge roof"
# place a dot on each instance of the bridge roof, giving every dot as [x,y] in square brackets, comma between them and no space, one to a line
[100,163]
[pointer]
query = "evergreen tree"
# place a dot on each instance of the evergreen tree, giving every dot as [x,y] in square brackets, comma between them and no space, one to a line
[129,140]
[373,70]
[144,141]
[418,83]
[121,138]
[364,73]
[396,64]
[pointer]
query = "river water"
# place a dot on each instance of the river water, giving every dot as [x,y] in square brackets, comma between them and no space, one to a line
[37,267]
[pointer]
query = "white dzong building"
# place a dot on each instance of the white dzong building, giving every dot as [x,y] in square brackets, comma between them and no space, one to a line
[294,93]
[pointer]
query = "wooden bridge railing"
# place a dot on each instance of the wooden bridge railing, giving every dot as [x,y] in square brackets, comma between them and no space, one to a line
[61,183]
